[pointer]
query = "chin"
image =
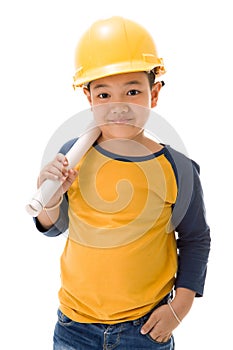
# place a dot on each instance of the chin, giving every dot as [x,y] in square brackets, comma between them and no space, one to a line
[120,131]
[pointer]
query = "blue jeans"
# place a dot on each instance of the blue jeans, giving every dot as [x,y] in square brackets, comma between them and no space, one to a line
[70,335]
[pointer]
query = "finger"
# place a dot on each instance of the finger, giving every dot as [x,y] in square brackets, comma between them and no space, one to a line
[56,170]
[73,173]
[163,339]
[52,172]
[155,334]
[61,163]
[62,159]
[70,179]
[149,325]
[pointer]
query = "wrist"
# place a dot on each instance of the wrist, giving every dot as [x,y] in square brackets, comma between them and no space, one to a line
[182,302]
[54,204]
[173,311]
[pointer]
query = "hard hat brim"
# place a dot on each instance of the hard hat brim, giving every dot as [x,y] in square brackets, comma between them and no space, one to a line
[81,78]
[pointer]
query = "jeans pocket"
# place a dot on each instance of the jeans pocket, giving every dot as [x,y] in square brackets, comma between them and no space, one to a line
[164,344]
[64,320]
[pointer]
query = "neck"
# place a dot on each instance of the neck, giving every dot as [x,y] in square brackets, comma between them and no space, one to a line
[137,147]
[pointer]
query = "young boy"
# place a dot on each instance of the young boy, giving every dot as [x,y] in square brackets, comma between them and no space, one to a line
[126,281]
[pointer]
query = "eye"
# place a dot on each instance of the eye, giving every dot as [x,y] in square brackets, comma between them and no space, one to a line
[103,95]
[133,92]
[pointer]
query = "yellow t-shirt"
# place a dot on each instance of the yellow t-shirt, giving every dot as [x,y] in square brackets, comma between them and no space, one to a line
[119,260]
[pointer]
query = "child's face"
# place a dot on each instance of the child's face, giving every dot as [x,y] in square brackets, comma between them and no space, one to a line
[121,103]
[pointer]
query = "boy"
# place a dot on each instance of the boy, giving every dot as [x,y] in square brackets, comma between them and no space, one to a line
[123,204]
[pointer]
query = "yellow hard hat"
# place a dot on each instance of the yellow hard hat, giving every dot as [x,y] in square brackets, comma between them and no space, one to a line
[114,46]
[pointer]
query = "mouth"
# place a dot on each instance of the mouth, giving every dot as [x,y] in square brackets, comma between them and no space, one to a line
[121,121]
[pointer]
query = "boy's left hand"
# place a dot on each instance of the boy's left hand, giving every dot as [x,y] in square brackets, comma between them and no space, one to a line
[160,324]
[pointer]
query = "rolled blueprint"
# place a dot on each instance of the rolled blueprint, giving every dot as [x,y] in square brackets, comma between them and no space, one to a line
[74,155]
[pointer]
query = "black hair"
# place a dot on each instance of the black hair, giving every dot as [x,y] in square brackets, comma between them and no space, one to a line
[151,77]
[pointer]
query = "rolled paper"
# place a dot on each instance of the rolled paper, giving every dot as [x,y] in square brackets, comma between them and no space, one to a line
[49,187]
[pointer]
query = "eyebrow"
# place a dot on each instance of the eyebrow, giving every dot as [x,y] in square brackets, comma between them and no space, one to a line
[131,82]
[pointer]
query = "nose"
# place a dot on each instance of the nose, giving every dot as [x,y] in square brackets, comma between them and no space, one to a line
[119,108]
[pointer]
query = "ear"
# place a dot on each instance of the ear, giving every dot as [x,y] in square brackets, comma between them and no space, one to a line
[155,93]
[88,94]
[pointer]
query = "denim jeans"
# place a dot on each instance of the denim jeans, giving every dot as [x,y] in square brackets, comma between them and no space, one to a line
[70,335]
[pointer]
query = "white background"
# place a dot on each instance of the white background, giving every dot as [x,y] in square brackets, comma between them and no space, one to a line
[38,39]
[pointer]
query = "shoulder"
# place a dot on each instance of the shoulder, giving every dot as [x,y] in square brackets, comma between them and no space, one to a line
[189,195]
[67,146]
[183,166]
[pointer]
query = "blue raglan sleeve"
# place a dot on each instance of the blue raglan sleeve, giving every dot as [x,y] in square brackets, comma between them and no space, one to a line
[189,221]
[62,223]
[193,242]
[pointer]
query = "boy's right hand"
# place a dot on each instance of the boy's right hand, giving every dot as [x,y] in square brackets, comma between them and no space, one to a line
[57,170]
